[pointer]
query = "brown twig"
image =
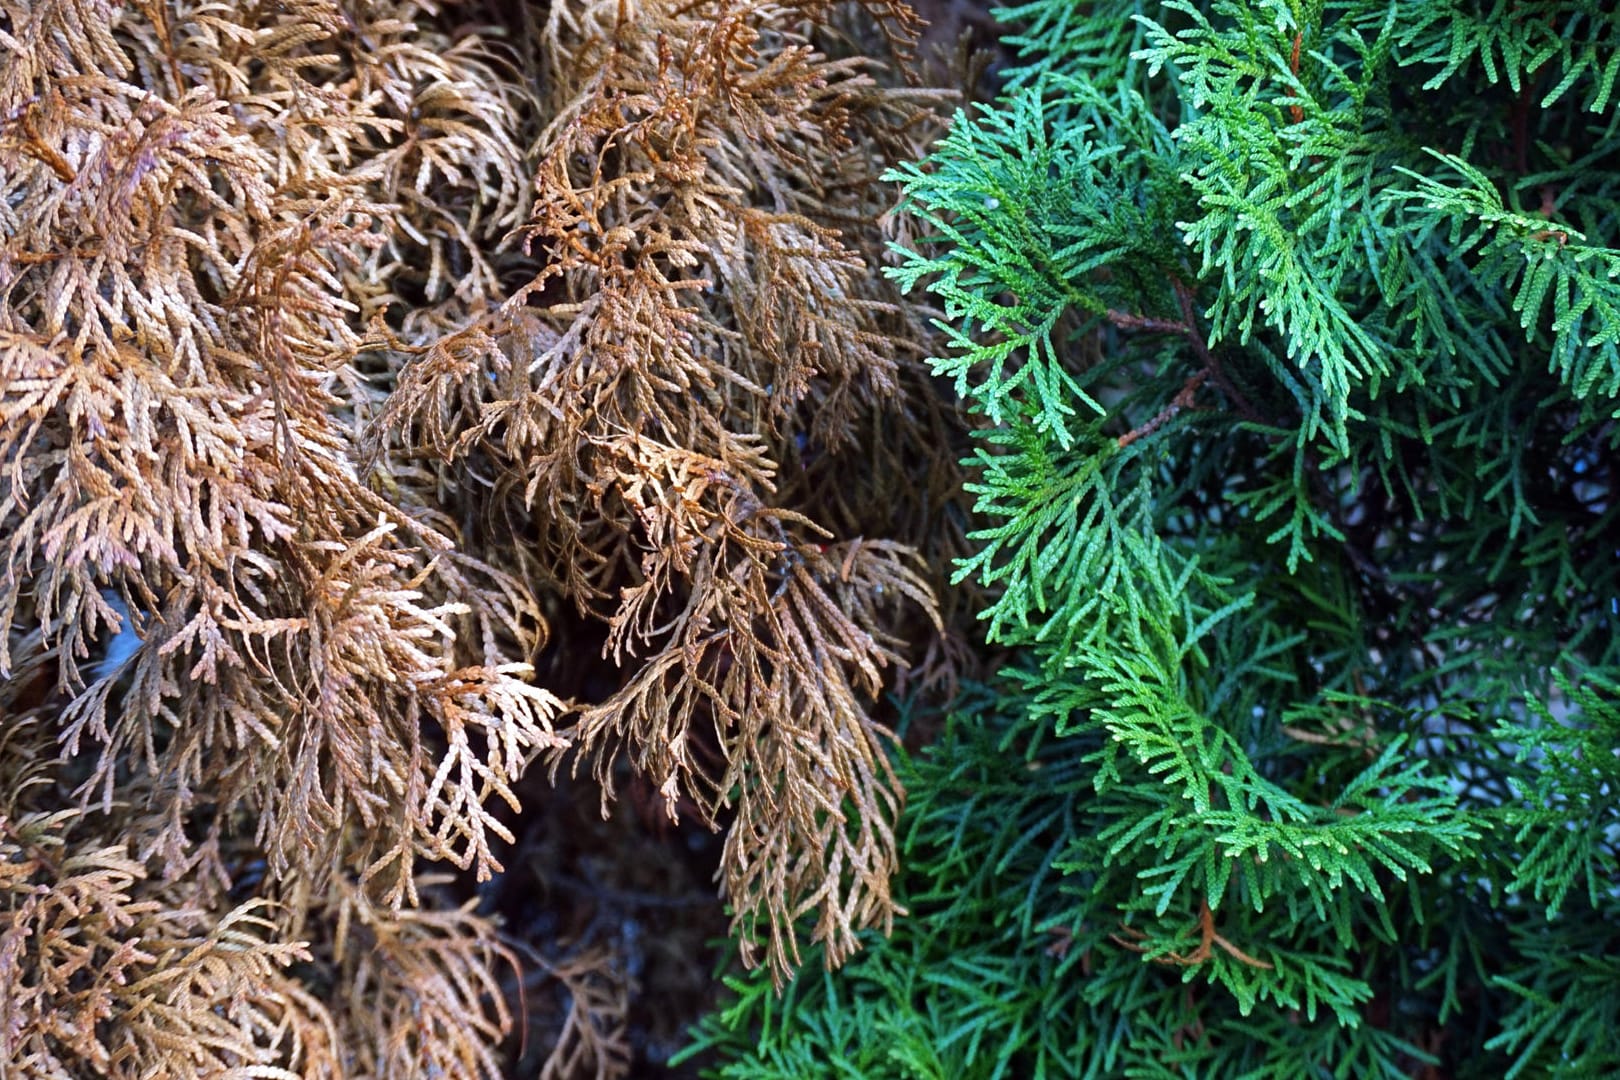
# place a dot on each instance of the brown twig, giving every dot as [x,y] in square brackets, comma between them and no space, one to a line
[36,258]
[1209,937]
[1296,111]
[37,148]
[1211,368]
[1186,397]
[1127,321]
[1184,298]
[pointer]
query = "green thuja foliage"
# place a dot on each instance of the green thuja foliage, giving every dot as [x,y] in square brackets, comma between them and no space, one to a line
[1293,331]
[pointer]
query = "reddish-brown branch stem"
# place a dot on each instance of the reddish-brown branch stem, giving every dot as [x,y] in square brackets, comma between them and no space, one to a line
[36,147]
[1210,367]
[1208,939]
[1126,321]
[35,258]
[1296,111]
[1184,298]
[1186,398]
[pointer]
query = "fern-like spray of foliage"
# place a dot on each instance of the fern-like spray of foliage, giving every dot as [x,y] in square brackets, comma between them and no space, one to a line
[347,352]
[1294,329]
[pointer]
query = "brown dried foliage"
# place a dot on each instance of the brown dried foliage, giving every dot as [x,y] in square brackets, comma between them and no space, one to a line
[335,348]
[701,347]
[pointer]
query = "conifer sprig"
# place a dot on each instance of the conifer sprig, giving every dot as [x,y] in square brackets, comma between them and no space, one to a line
[1291,331]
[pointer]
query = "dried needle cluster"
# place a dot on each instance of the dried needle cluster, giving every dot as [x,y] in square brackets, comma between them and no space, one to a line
[339,345]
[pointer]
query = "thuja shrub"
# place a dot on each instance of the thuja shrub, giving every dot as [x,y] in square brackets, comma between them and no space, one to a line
[1292,332]
[357,362]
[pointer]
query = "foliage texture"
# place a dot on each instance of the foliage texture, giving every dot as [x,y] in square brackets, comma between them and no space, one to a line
[1292,331]
[366,372]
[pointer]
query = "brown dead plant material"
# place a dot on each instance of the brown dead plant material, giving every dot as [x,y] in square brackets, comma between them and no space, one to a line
[705,319]
[203,208]
[319,385]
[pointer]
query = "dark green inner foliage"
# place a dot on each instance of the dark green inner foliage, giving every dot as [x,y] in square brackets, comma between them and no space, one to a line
[1290,334]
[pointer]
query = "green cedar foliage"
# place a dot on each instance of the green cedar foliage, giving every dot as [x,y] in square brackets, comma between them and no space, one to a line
[1294,331]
